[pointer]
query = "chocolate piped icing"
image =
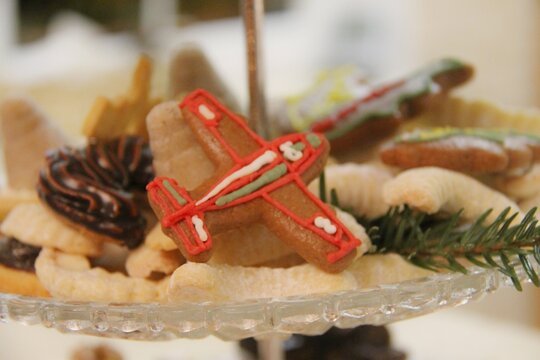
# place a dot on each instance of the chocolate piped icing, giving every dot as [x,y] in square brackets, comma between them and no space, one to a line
[94,186]
[17,255]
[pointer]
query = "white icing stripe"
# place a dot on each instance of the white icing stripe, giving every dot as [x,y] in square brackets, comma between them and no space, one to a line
[289,152]
[206,112]
[198,223]
[325,224]
[255,165]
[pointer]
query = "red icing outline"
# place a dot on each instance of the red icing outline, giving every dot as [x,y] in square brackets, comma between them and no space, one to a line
[343,239]
[330,122]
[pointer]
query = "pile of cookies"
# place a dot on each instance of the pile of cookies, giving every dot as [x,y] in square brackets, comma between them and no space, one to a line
[179,201]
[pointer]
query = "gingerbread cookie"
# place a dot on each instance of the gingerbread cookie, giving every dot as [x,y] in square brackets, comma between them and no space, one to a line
[434,190]
[470,150]
[242,246]
[26,135]
[333,89]
[94,188]
[380,111]
[255,181]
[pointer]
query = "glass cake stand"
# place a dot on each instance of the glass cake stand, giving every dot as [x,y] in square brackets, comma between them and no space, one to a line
[269,320]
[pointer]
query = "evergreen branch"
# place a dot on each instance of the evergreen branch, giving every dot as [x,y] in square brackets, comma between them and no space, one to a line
[439,244]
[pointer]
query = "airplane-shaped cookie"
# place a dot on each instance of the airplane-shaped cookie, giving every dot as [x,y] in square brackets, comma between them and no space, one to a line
[255,181]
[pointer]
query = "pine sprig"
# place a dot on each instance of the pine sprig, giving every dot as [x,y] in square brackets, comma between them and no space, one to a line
[438,244]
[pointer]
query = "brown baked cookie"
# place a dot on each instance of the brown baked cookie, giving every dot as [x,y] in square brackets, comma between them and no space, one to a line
[17,271]
[255,181]
[470,150]
[359,122]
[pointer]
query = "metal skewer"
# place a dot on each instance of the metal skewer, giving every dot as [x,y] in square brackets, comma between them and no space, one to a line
[253,12]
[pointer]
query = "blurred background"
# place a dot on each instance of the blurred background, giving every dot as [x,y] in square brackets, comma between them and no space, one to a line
[65,53]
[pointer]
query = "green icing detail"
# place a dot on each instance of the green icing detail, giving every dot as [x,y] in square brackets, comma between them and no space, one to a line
[299,146]
[433,134]
[314,140]
[174,193]
[419,83]
[266,178]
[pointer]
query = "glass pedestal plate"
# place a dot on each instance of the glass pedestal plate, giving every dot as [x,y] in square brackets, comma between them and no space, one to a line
[268,320]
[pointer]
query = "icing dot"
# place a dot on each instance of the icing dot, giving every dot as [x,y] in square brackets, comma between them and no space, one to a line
[206,112]
[289,152]
[325,224]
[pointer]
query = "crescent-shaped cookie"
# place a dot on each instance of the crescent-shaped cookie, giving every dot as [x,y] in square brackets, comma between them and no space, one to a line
[434,190]
[358,186]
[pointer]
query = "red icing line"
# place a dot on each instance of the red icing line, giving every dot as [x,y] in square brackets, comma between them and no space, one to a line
[343,239]
[329,123]
[160,196]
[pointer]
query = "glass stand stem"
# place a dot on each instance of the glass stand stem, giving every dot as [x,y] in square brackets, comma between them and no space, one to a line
[271,348]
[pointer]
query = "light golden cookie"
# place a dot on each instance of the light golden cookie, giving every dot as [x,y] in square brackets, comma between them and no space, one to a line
[157,240]
[373,270]
[358,186]
[145,262]
[190,70]
[10,198]
[198,282]
[20,282]
[176,152]
[530,203]
[454,111]
[520,187]
[33,224]
[433,190]
[109,119]
[71,277]
[26,136]
[284,262]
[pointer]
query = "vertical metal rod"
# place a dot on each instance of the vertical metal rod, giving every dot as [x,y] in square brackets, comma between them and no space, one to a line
[253,12]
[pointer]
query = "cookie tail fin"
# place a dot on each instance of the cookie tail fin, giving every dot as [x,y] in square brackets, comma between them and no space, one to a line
[180,219]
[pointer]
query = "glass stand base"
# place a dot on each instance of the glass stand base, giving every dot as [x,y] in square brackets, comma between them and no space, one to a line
[271,348]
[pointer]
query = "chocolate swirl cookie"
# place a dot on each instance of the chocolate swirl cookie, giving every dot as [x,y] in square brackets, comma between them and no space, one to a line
[95,186]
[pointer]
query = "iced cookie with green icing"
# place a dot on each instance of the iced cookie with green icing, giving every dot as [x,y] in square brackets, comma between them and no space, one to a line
[348,119]
[333,89]
[471,150]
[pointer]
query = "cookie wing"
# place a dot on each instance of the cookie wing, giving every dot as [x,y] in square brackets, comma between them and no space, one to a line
[309,226]
[224,135]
